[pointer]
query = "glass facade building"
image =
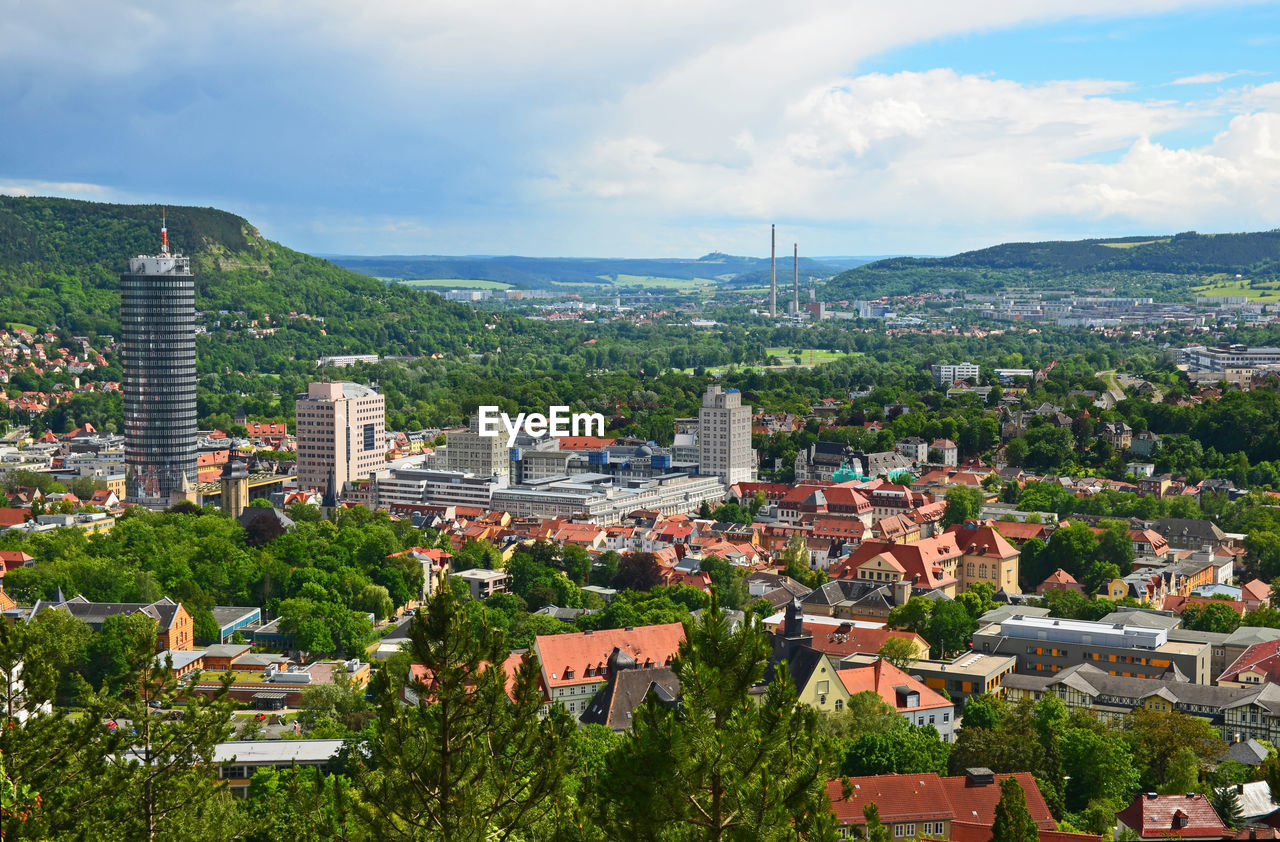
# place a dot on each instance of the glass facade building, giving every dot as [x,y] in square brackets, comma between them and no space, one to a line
[157,319]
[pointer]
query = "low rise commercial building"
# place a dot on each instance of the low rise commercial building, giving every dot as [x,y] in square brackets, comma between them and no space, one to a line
[1049,645]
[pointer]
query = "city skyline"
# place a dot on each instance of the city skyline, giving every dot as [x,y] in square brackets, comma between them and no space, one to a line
[668,131]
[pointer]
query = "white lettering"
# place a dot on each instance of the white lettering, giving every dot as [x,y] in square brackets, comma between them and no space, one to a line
[558,423]
[489,420]
[588,420]
[513,428]
[536,424]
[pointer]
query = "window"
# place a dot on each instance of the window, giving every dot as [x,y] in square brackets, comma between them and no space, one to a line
[824,686]
[901,830]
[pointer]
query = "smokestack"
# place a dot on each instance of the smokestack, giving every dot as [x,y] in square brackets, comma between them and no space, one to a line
[795,280]
[773,274]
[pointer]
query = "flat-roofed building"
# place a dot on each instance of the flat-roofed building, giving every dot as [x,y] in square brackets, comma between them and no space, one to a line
[237,761]
[1048,645]
[484,583]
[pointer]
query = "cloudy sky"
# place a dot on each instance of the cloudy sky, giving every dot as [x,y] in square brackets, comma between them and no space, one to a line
[662,128]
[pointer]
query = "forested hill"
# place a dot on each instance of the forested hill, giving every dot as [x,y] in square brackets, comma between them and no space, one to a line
[60,262]
[546,272]
[1121,262]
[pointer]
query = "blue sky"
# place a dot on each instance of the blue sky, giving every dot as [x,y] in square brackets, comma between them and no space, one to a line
[674,127]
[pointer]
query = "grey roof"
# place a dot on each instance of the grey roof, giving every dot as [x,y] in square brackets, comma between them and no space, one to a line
[1255,798]
[1251,753]
[1249,635]
[226,650]
[1094,682]
[1145,619]
[1193,636]
[614,703]
[96,613]
[277,751]
[225,615]
[1176,527]
[1004,612]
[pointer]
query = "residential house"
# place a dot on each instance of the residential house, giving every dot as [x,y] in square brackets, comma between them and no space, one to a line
[1187,816]
[987,557]
[924,805]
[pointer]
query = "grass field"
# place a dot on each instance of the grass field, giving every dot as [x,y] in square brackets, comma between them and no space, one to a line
[818,355]
[20,326]
[455,283]
[1230,286]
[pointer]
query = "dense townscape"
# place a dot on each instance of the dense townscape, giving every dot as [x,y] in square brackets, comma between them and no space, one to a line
[947,580]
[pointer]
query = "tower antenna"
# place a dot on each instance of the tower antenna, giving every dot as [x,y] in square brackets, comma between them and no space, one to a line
[164,230]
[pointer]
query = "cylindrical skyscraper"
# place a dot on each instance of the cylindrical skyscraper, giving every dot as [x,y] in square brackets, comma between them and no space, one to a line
[158,332]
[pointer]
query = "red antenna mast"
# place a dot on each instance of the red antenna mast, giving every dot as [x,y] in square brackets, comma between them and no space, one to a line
[164,231]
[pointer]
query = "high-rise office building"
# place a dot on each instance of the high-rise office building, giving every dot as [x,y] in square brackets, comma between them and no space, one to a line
[724,437]
[158,333]
[341,434]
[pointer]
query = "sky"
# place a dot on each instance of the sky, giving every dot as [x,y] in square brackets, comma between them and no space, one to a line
[659,129]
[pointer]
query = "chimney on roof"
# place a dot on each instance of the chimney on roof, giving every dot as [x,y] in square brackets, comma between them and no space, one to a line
[979,776]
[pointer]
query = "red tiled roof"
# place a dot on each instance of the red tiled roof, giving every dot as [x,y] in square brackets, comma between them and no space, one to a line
[1256,590]
[981,539]
[919,559]
[898,798]
[926,797]
[846,639]
[584,442]
[1154,816]
[883,678]
[1262,657]
[652,645]
[13,559]
[977,804]
[1176,603]
[1019,531]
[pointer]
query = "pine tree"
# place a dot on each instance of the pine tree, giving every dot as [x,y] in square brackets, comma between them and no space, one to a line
[873,830]
[465,761]
[1013,821]
[1227,805]
[719,766]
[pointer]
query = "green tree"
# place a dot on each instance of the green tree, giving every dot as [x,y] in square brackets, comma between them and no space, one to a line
[465,762]
[1013,821]
[873,830]
[718,766]
[1211,617]
[950,628]
[1096,766]
[1227,805]
[900,652]
[963,504]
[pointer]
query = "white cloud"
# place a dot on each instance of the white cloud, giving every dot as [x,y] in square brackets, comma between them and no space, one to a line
[584,122]
[66,189]
[1204,78]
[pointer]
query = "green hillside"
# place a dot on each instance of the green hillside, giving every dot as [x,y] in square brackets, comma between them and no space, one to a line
[60,262]
[1157,265]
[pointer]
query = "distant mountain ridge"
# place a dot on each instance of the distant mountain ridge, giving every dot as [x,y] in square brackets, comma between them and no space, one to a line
[543,272]
[1113,260]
